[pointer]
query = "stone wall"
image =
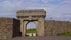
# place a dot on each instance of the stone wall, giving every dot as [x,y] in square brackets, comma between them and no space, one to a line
[52,28]
[9,27]
[16,28]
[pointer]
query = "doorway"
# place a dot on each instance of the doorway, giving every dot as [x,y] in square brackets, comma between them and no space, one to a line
[31,29]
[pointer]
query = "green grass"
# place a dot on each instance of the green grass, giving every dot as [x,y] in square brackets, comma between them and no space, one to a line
[64,34]
[31,31]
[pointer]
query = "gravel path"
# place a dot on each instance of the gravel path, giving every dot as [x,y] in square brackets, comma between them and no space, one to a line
[43,38]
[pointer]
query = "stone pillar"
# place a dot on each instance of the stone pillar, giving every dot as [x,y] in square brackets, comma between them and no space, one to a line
[21,25]
[24,28]
[40,27]
[36,23]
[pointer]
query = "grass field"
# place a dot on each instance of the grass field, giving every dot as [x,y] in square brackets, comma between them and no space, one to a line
[59,34]
[31,30]
[64,34]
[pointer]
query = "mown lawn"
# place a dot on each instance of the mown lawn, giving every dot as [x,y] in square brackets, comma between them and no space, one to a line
[31,31]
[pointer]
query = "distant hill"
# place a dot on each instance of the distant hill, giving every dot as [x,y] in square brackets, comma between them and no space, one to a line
[31,31]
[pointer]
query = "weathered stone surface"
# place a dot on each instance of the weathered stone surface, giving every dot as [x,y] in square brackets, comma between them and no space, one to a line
[9,27]
[52,28]
[33,12]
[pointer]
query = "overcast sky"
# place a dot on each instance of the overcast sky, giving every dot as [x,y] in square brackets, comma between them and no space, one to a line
[55,9]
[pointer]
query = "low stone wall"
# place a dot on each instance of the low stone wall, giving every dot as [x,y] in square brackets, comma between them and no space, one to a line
[52,28]
[9,28]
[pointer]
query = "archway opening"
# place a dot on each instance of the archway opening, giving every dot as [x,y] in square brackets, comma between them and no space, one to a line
[31,29]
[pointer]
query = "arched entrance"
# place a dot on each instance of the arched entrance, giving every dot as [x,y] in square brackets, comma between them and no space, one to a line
[31,25]
[31,29]
[37,16]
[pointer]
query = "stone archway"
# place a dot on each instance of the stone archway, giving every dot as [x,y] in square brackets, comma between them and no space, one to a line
[37,16]
[32,25]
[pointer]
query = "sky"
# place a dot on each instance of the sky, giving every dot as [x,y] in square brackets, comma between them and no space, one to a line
[55,9]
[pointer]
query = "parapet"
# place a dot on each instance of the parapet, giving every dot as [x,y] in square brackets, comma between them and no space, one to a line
[33,12]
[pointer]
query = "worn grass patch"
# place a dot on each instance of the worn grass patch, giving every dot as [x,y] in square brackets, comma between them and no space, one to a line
[31,31]
[64,34]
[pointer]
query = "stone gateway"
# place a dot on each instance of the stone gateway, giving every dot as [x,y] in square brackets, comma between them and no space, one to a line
[37,16]
[11,27]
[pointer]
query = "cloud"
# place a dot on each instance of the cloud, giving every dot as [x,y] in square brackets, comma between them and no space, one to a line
[31,25]
[56,9]
[60,11]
